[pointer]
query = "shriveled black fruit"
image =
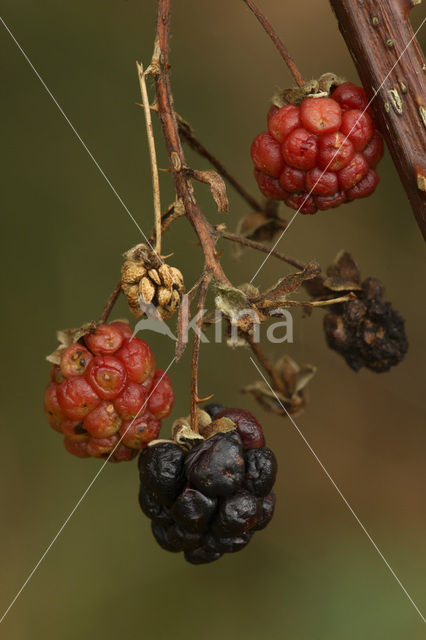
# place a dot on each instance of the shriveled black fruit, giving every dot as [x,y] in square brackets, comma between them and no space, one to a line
[210,500]
[201,556]
[248,428]
[186,540]
[227,545]
[216,466]
[153,509]
[193,510]
[268,507]
[164,539]
[213,409]
[236,514]
[261,469]
[161,471]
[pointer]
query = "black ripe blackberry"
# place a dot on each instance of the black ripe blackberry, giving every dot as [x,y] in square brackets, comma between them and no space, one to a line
[211,499]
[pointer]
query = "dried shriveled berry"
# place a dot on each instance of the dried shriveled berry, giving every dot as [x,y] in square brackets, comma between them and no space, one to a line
[163,537]
[193,510]
[216,466]
[155,511]
[201,556]
[261,470]
[161,469]
[293,179]
[270,187]
[236,514]
[268,508]
[302,202]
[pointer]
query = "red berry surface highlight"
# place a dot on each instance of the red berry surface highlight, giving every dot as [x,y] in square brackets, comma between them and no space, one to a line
[336,135]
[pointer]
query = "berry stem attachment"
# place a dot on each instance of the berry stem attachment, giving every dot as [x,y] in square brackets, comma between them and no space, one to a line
[277,42]
[196,350]
[153,156]
[110,303]
[187,134]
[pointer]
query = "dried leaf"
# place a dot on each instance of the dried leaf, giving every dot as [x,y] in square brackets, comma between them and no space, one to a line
[217,187]
[289,283]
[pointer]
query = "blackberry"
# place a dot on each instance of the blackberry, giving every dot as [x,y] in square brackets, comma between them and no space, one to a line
[211,499]
[213,409]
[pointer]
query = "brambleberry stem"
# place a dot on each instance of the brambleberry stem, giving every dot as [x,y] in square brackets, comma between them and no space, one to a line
[277,42]
[165,104]
[196,350]
[153,157]
[252,244]
[110,303]
[263,360]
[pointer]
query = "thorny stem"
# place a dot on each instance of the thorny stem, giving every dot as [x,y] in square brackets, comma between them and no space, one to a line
[196,351]
[277,42]
[246,242]
[188,136]
[160,67]
[273,376]
[110,304]
[153,157]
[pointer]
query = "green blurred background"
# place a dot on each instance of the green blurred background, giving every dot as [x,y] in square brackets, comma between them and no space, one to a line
[313,574]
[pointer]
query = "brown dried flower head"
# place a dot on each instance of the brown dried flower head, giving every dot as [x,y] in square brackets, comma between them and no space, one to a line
[146,279]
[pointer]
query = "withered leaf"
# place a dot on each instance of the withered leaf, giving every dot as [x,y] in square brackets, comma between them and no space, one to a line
[217,187]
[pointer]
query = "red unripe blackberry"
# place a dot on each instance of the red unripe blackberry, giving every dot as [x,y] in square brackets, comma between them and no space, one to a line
[105,339]
[76,397]
[161,400]
[318,134]
[131,400]
[330,202]
[321,183]
[335,151]
[138,358]
[353,173]
[300,149]
[349,96]
[292,179]
[103,421]
[52,409]
[78,449]
[102,447]
[75,360]
[365,187]
[302,202]
[123,327]
[107,375]
[266,155]
[320,115]
[103,395]
[270,187]
[56,374]
[283,121]
[374,150]
[136,433]
[74,430]
[358,127]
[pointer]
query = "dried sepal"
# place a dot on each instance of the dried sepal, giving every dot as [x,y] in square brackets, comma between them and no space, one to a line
[217,187]
[343,274]
[66,337]
[292,397]
[320,88]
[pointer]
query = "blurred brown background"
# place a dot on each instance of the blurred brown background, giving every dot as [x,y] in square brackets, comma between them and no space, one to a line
[313,574]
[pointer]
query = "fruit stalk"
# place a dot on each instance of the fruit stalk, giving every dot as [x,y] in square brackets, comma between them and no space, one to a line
[384,49]
[196,351]
[160,67]
[110,303]
[277,42]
